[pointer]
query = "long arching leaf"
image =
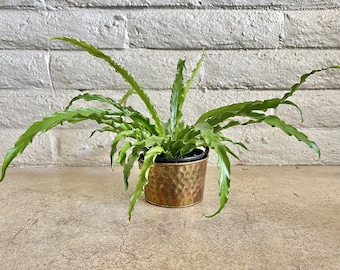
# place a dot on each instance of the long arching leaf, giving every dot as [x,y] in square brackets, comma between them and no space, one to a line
[303,79]
[47,123]
[121,136]
[120,70]
[177,96]
[214,141]
[137,148]
[149,161]
[139,121]
[193,76]
[126,96]
[275,121]
[96,97]
[219,115]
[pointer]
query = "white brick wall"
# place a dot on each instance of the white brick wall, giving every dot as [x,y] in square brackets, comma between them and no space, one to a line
[255,50]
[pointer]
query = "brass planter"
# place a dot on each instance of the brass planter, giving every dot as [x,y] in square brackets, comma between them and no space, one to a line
[176,184]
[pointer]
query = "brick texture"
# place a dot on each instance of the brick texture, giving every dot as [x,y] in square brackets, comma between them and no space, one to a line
[214,29]
[306,29]
[254,50]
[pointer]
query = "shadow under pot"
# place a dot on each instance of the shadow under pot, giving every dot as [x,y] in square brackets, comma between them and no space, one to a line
[177,182]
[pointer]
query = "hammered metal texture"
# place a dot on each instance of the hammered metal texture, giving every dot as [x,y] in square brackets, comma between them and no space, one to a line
[176,184]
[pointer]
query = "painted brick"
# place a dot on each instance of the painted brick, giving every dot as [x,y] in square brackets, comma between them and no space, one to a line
[268,145]
[271,146]
[40,152]
[278,4]
[19,110]
[284,40]
[17,3]
[312,29]
[74,147]
[151,69]
[327,103]
[123,3]
[263,69]
[215,29]
[319,108]
[102,27]
[250,69]
[24,70]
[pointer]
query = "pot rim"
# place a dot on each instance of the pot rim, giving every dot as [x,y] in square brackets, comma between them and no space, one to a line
[179,163]
[204,154]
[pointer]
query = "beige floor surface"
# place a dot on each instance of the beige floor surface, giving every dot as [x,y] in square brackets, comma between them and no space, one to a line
[75,218]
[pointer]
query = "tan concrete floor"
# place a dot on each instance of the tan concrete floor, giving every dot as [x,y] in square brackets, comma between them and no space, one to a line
[75,218]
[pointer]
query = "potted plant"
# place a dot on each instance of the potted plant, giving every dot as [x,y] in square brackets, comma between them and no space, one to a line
[162,146]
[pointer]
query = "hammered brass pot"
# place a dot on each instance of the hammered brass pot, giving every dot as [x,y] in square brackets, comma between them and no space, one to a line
[177,184]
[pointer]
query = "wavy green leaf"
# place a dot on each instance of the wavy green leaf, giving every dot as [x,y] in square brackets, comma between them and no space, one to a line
[275,121]
[137,148]
[126,96]
[139,120]
[303,80]
[95,97]
[118,138]
[104,129]
[123,153]
[219,115]
[214,141]
[149,161]
[193,76]
[233,142]
[291,131]
[120,70]
[177,96]
[47,123]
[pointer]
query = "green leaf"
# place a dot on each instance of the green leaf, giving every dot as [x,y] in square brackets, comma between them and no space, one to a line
[219,115]
[178,96]
[139,120]
[149,161]
[47,123]
[233,142]
[95,97]
[126,96]
[303,79]
[120,70]
[119,137]
[104,129]
[193,76]
[214,141]
[291,131]
[122,153]
[133,157]
[296,106]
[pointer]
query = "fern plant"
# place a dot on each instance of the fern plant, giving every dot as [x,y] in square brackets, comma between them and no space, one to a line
[152,137]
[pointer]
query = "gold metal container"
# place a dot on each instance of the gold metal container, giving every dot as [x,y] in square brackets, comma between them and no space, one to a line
[176,184]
